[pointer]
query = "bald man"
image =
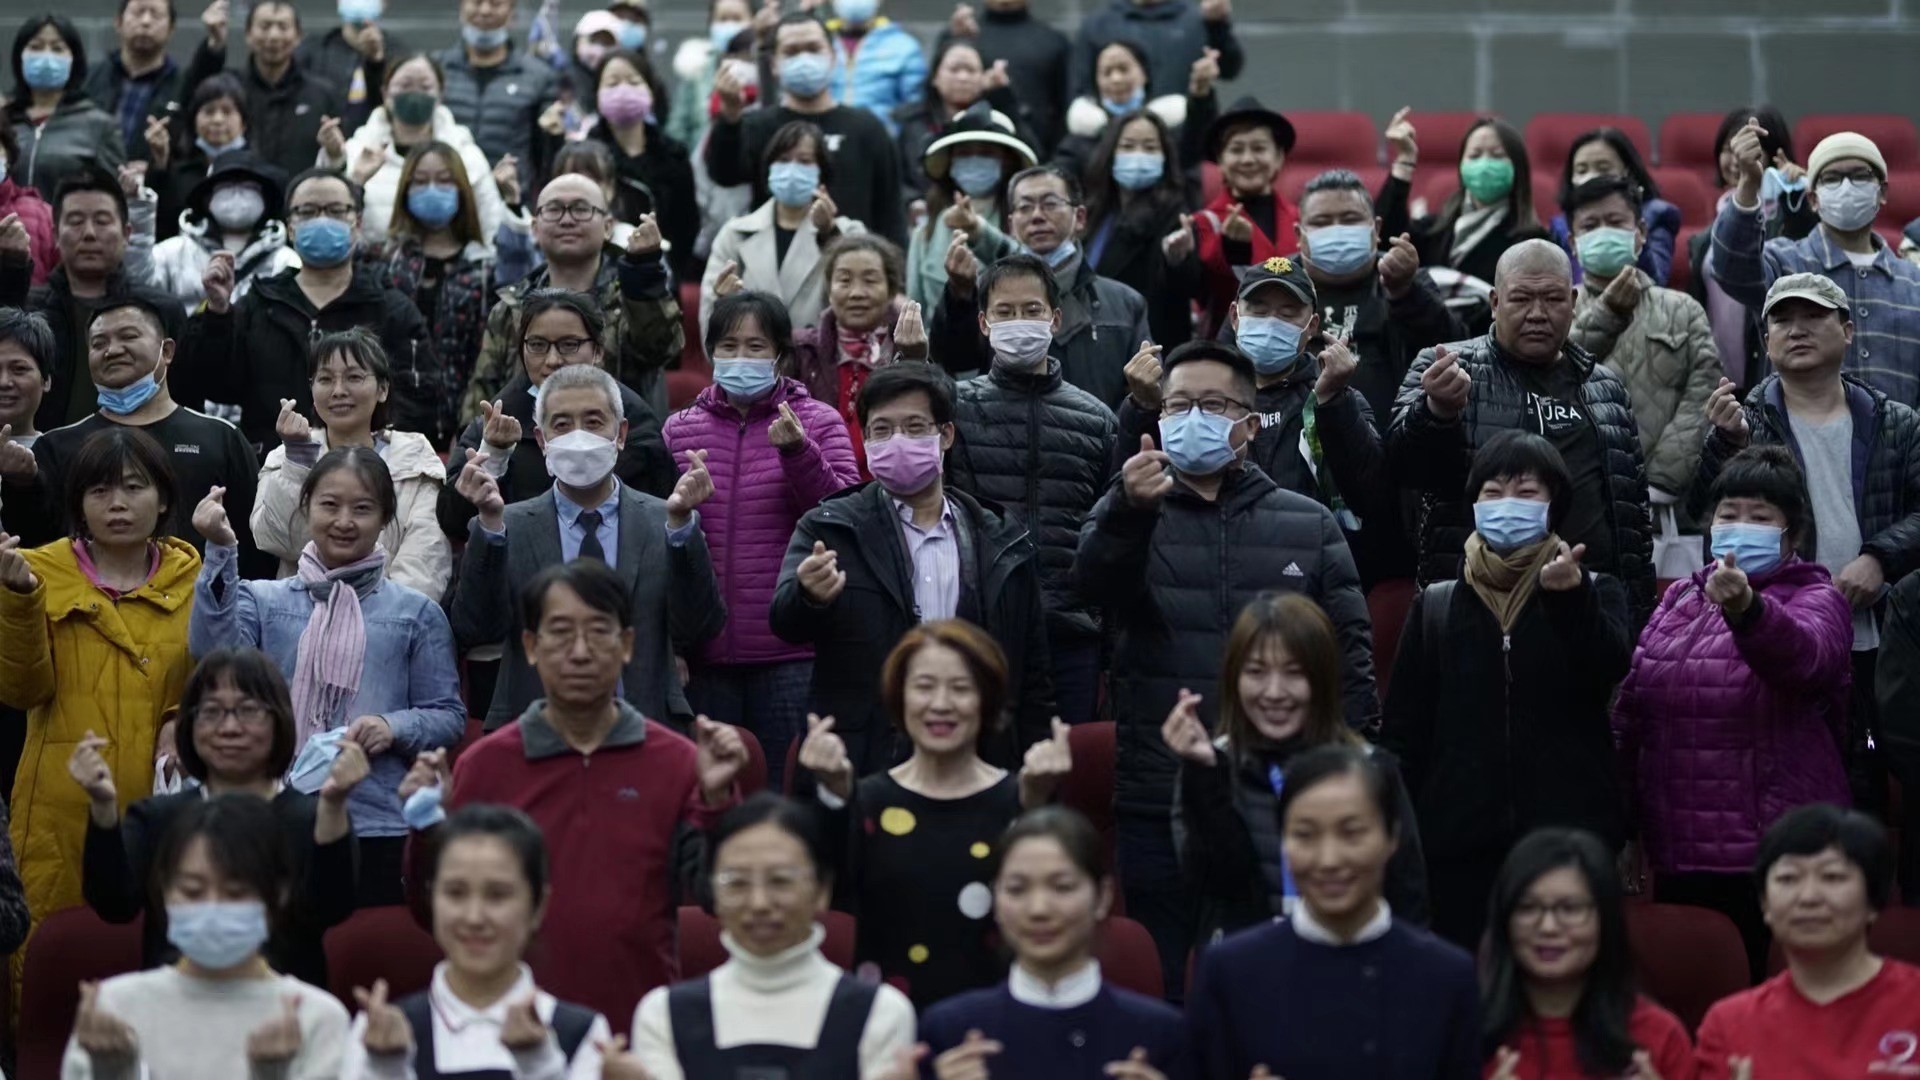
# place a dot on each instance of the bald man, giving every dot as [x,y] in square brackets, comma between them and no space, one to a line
[1526,375]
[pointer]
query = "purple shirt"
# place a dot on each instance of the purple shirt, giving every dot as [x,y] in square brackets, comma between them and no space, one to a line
[934,555]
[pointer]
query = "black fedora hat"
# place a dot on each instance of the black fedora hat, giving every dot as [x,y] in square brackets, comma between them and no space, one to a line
[1248,110]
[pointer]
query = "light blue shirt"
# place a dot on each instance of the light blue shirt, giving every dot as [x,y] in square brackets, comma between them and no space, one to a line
[573,534]
[934,557]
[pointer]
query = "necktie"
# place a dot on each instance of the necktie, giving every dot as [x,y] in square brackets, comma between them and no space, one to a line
[590,544]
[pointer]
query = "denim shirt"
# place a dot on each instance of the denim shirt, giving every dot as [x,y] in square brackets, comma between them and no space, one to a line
[409,679]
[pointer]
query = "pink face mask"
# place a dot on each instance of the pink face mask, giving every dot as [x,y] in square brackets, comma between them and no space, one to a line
[626,104]
[905,465]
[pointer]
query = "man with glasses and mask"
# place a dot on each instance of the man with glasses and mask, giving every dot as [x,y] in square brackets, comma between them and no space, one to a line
[574,229]
[1849,180]
[1102,322]
[654,545]
[1187,536]
[253,352]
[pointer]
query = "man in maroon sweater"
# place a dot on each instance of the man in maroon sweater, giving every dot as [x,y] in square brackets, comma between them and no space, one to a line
[624,801]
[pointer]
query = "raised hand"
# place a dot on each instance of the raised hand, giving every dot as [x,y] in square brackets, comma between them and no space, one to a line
[645,241]
[1402,137]
[820,576]
[279,1038]
[553,120]
[388,1031]
[1727,415]
[16,461]
[823,211]
[1147,476]
[968,1061]
[429,769]
[1237,227]
[824,754]
[14,236]
[15,574]
[159,142]
[1216,10]
[1789,171]
[1047,762]
[962,270]
[350,767]
[291,426]
[729,282]
[694,487]
[216,282]
[1143,377]
[1506,1064]
[961,216]
[1564,572]
[786,431]
[617,1062]
[1136,1067]
[1861,580]
[1397,266]
[369,160]
[372,733]
[210,519]
[333,141]
[1727,586]
[506,177]
[731,89]
[1446,385]
[1204,73]
[963,24]
[214,19]
[476,485]
[1337,365]
[720,756]
[1177,246]
[1184,734]
[89,769]
[1622,294]
[522,1029]
[97,1031]
[500,432]
[996,78]
[910,332]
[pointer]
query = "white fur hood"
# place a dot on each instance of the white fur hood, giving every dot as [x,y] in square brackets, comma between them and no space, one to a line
[1087,118]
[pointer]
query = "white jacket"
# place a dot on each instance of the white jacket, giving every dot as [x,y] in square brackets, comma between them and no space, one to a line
[749,240]
[418,554]
[383,188]
[1087,118]
[180,260]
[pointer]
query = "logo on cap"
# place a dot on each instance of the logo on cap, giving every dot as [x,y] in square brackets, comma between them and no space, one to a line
[1279,264]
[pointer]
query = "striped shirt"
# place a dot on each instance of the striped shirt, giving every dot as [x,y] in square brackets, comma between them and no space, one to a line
[1885,294]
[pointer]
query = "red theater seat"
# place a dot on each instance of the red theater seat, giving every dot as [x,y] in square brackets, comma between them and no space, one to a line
[1894,134]
[1387,606]
[1128,957]
[1684,189]
[1439,135]
[1681,275]
[1686,958]
[1089,787]
[701,951]
[1903,199]
[1329,139]
[1551,135]
[379,943]
[1686,142]
[69,947]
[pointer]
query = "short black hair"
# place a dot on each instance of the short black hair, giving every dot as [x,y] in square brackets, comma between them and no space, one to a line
[796,18]
[222,86]
[1013,268]
[76,76]
[1595,188]
[288,4]
[244,841]
[355,193]
[552,298]
[364,462]
[1065,826]
[1311,767]
[104,459]
[762,307]
[1344,181]
[795,819]
[1514,453]
[1244,377]
[361,348]
[173,13]
[1623,149]
[1771,474]
[87,180]
[254,674]
[30,331]
[509,825]
[898,379]
[593,581]
[587,152]
[1812,829]
[157,317]
[1076,194]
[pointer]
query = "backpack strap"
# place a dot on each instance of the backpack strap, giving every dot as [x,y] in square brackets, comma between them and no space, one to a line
[690,1014]
[836,1050]
[418,1009]
[1434,606]
[570,1026]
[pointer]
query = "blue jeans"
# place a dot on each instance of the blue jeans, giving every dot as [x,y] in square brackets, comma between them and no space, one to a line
[769,700]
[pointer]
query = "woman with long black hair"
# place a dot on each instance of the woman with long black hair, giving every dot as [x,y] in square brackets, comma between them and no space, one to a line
[1136,194]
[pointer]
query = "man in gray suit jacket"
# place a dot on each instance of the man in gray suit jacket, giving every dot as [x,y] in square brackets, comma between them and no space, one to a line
[655,545]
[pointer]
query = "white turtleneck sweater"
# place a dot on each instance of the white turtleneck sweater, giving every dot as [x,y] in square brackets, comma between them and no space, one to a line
[780,1000]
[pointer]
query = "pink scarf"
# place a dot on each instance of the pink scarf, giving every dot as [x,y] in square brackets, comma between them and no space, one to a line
[333,647]
[872,349]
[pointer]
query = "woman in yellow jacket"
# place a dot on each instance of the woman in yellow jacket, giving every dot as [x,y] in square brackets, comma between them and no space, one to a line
[95,642]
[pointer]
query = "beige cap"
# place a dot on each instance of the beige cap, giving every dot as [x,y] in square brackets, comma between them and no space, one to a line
[1818,288]
[1844,144]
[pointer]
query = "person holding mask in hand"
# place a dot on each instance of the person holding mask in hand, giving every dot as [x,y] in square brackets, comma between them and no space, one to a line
[369,658]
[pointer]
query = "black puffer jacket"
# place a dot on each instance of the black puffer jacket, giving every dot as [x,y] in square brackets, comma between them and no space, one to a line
[1102,324]
[1886,468]
[1434,456]
[1039,446]
[1176,578]
[1132,257]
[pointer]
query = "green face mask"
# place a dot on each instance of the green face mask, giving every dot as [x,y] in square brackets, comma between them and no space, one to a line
[1487,179]
[1604,252]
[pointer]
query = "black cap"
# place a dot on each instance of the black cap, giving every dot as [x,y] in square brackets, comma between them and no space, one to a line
[241,165]
[1248,110]
[1279,270]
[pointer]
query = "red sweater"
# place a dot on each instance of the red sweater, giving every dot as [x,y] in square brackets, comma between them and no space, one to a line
[1546,1047]
[624,828]
[1872,1032]
[1210,247]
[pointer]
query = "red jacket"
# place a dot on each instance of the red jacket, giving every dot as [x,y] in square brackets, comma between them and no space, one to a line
[1210,248]
[625,830]
[37,216]
[1870,1032]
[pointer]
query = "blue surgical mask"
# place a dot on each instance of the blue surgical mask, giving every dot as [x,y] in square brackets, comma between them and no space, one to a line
[806,74]
[46,70]
[1848,205]
[323,241]
[721,34]
[1510,524]
[1774,183]
[310,768]
[1199,443]
[359,11]
[632,35]
[127,400]
[1122,108]
[1272,344]
[792,182]
[482,39]
[422,809]
[1058,256]
[433,205]
[857,12]
[239,143]
[217,934]
[1755,548]
[745,379]
[976,174]
[1138,172]
[1341,249]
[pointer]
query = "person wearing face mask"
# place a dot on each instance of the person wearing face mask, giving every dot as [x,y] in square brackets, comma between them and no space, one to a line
[1021,419]
[588,513]
[1137,196]
[696,63]
[26,356]
[653,174]
[596,35]
[496,90]
[59,130]
[773,453]
[777,248]
[1608,152]
[222,1009]
[236,208]
[1150,552]
[1036,57]
[251,350]
[874,561]
[353,56]
[1737,703]
[867,185]
[1122,92]
[1280,696]
[969,167]
[1529,615]
[957,81]
[217,116]
[1656,339]
[1860,451]
[878,65]
[1849,178]
[237,738]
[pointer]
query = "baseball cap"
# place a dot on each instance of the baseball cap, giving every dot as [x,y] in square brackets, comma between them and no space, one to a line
[1819,288]
[1279,270]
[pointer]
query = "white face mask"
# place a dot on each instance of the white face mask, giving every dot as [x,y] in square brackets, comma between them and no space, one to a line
[581,459]
[236,207]
[1021,342]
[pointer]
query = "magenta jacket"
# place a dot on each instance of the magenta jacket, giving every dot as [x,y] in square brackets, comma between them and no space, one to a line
[759,494]
[1723,730]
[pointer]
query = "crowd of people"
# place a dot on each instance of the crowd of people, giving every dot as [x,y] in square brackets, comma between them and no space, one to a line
[377,560]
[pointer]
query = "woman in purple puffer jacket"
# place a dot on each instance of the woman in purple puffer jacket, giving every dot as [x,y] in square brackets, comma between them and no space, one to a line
[773,452]
[1736,705]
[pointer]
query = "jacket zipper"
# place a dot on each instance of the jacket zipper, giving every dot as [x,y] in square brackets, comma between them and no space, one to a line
[1506,712]
[1033,465]
[733,491]
[413,362]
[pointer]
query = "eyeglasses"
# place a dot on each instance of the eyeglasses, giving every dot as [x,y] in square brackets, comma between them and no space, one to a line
[600,639]
[1052,204]
[914,429]
[354,380]
[565,346]
[578,211]
[249,713]
[338,211]
[783,885]
[1211,405]
[1572,914]
[1830,179]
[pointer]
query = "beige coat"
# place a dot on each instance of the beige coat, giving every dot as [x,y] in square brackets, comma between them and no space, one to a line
[749,241]
[418,555]
[1665,354]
